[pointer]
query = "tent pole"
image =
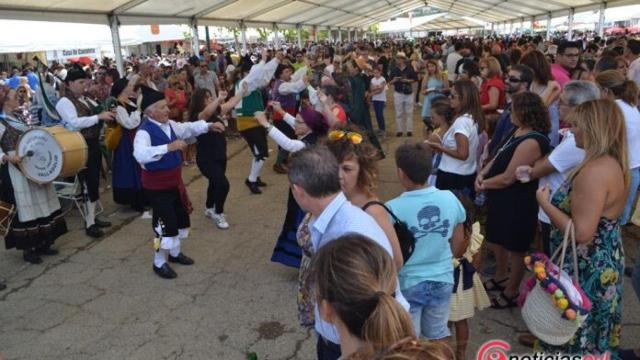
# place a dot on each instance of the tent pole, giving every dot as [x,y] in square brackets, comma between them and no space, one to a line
[299,28]
[570,27]
[206,36]
[276,39]
[340,35]
[195,41]
[548,26]
[243,34]
[115,39]
[601,19]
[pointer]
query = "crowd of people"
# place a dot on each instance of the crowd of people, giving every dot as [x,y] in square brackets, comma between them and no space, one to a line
[530,134]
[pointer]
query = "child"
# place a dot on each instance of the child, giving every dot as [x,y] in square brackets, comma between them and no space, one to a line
[441,119]
[435,218]
[469,294]
[379,97]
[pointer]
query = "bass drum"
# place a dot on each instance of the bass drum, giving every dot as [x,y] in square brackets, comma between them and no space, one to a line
[50,152]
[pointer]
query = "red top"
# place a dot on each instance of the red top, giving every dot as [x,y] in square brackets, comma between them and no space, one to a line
[179,99]
[496,82]
[339,112]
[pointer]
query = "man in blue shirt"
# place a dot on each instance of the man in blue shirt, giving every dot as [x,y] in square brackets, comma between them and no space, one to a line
[435,218]
[313,174]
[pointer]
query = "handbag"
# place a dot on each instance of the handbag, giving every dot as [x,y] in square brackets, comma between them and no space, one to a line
[112,136]
[405,236]
[549,312]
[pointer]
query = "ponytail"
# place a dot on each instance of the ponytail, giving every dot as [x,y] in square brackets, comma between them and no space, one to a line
[629,92]
[388,323]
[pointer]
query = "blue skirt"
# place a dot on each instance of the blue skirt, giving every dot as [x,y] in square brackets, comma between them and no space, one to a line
[287,250]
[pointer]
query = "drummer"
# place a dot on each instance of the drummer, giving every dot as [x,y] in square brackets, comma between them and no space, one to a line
[81,113]
[39,221]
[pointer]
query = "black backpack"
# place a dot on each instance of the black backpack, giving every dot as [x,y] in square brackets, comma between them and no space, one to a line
[405,236]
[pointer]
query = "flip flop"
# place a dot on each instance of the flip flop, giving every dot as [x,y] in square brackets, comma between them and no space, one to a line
[495,285]
[508,302]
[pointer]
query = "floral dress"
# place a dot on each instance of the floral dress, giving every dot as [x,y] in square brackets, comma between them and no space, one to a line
[601,264]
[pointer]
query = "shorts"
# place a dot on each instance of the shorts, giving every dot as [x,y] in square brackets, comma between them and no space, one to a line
[429,308]
[256,138]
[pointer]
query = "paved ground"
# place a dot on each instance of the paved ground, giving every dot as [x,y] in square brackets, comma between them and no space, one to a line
[101,300]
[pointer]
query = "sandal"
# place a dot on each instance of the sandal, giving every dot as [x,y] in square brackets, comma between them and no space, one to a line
[495,285]
[504,302]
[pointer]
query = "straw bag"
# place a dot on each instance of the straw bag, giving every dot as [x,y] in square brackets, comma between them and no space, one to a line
[549,314]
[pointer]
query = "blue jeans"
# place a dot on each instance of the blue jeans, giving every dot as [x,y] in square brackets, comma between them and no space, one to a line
[429,308]
[631,198]
[378,107]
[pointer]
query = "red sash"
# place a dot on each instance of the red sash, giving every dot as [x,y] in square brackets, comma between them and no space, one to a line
[166,180]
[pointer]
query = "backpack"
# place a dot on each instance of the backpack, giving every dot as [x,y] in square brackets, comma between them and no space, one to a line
[405,236]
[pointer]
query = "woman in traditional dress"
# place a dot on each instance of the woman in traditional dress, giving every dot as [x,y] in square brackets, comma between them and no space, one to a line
[309,126]
[127,184]
[38,222]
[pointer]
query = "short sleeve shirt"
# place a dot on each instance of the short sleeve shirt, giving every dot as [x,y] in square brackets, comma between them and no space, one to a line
[466,126]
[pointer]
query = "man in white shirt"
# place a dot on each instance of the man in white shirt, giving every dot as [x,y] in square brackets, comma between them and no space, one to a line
[315,184]
[80,113]
[157,147]
[632,54]
[206,79]
[452,60]
[555,167]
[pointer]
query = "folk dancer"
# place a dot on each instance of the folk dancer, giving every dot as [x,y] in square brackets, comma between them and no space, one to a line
[39,220]
[158,146]
[83,114]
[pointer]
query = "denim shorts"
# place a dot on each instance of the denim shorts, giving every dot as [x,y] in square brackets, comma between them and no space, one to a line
[429,308]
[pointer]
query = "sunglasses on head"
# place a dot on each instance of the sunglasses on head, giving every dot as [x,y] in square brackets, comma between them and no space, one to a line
[354,137]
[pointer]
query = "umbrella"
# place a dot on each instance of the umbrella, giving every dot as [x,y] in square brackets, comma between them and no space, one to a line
[84,60]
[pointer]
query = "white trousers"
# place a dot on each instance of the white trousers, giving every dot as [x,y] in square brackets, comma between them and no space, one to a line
[403,104]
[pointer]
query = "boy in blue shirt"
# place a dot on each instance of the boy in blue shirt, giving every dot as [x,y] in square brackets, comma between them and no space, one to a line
[435,218]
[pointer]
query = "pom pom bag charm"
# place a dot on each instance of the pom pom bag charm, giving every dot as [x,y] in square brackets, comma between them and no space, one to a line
[547,311]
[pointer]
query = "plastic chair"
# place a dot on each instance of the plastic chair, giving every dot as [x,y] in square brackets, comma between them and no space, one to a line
[73,191]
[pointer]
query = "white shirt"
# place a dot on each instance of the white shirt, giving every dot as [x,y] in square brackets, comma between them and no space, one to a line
[466,126]
[452,60]
[145,153]
[296,84]
[290,145]
[376,83]
[632,123]
[564,158]
[128,121]
[634,71]
[69,115]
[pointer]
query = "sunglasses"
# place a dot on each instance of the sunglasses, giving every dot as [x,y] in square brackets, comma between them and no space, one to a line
[354,137]
[514,79]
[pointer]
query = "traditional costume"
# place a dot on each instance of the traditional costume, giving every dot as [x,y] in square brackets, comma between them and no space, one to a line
[287,251]
[80,113]
[251,131]
[286,93]
[162,182]
[126,181]
[39,221]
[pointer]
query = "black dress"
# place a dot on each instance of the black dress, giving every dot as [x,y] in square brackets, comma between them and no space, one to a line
[512,212]
[211,158]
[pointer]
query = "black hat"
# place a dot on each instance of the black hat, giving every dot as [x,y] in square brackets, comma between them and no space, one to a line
[150,97]
[118,87]
[75,74]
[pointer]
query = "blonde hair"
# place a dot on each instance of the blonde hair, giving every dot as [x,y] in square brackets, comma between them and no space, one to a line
[357,277]
[626,90]
[408,349]
[438,74]
[604,133]
[493,65]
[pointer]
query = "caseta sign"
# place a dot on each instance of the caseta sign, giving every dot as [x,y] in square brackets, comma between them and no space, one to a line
[70,53]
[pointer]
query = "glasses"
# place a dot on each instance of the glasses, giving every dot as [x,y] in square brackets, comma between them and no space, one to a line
[354,137]
[514,79]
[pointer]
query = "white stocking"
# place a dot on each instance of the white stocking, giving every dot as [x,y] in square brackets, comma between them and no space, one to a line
[91,213]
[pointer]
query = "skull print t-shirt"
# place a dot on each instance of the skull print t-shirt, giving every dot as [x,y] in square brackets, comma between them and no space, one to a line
[431,215]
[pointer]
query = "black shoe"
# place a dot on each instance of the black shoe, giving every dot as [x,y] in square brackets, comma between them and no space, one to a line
[398,134]
[181,259]
[409,134]
[280,168]
[46,251]
[253,186]
[165,272]
[260,183]
[94,231]
[32,257]
[2,286]
[102,223]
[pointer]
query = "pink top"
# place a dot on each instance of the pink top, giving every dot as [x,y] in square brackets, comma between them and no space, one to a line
[560,74]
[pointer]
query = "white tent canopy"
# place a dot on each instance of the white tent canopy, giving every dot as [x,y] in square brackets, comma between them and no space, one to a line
[285,13]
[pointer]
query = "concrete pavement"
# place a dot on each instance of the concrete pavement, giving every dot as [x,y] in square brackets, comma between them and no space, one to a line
[101,299]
